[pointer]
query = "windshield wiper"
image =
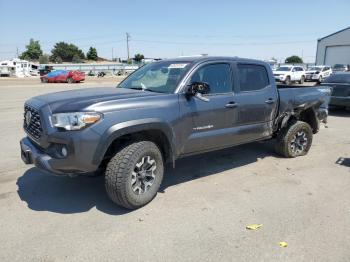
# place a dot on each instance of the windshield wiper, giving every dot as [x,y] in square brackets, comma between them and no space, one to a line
[143,89]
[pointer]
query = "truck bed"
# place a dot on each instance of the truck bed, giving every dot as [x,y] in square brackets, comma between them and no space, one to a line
[292,97]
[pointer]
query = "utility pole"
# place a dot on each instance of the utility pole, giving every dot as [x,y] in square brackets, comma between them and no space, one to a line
[112,54]
[127,44]
[17,52]
[302,54]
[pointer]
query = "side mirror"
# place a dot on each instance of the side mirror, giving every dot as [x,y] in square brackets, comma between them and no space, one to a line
[198,89]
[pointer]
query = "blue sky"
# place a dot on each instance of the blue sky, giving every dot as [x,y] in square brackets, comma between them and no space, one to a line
[251,28]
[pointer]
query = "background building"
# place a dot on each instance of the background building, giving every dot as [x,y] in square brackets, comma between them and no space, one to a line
[334,48]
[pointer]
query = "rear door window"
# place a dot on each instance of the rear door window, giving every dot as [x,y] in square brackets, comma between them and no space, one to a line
[252,77]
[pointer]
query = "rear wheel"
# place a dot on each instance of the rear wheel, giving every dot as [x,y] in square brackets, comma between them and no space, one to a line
[44,80]
[133,176]
[302,79]
[294,140]
[70,80]
[287,81]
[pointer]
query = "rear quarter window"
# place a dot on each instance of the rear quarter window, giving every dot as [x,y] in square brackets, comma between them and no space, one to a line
[252,77]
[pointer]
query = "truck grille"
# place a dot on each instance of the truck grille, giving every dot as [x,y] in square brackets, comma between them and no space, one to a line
[32,123]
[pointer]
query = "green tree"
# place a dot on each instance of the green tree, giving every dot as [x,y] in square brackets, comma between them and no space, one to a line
[138,57]
[66,52]
[92,54]
[33,51]
[44,59]
[77,59]
[294,60]
[58,60]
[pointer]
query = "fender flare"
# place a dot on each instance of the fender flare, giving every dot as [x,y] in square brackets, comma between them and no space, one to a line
[134,126]
[296,113]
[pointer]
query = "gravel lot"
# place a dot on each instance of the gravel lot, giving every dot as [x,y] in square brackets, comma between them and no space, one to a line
[201,212]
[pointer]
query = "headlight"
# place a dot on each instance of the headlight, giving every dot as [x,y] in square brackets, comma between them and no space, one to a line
[76,120]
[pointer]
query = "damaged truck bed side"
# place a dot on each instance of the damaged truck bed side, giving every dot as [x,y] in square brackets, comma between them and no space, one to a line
[308,104]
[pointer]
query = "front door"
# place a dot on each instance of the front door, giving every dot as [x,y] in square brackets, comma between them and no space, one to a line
[212,121]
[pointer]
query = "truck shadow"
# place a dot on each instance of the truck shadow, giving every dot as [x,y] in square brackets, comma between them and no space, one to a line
[45,192]
[211,163]
[65,195]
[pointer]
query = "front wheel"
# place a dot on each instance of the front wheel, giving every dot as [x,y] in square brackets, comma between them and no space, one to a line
[302,79]
[320,79]
[70,80]
[133,176]
[294,140]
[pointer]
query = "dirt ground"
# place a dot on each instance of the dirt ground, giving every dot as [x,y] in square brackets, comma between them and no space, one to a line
[200,213]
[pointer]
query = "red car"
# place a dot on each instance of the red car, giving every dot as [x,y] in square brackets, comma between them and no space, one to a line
[63,76]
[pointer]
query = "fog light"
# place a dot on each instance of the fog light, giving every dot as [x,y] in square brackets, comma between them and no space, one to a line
[64,151]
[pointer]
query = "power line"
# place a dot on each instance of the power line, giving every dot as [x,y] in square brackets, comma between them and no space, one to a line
[171,35]
[222,43]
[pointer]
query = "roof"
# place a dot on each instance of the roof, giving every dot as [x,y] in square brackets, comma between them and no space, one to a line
[334,33]
[211,58]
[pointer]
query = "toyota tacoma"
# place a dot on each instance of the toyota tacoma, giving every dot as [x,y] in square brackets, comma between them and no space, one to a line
[162,112]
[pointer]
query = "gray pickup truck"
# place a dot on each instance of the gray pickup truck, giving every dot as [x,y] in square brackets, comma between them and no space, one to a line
[164,111]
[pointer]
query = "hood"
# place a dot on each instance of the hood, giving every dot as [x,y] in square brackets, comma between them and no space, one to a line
[312,71]
[76,100]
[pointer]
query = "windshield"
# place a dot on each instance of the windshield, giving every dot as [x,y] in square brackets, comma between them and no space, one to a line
[161,77]
[339,66]
[284,68]
[314,68]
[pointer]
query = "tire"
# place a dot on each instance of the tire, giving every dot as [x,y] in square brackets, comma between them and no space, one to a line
[44,80]
[302,80]
[70,80]
[287,81]
[123,176]
[294,140]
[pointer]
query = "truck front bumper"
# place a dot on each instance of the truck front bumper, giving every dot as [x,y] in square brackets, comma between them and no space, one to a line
[43,159]
[31,154]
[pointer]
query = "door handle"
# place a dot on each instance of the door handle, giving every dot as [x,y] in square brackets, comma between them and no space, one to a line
[270,101]
[231,104]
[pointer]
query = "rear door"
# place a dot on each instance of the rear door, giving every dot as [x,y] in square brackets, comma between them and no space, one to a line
[256,98]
